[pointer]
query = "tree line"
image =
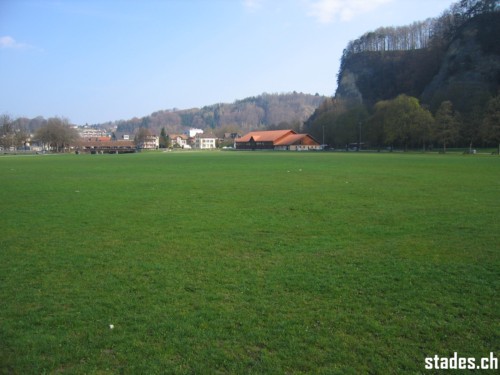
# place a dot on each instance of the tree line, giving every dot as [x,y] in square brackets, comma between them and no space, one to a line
[422,33]
[403,123]
[56,133]
[431,33]
[13,133]
[401,38]
[266,110]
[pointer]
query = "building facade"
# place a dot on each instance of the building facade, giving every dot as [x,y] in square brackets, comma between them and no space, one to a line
[178,140]
[151,142]
[277,140]
[205,142]
[193,132]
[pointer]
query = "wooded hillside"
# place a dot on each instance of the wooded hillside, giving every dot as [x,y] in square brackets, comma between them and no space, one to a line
[266,111]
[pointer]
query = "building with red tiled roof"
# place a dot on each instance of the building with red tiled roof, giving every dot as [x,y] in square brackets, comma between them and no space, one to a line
[107,147]
[179,140]
[277,140]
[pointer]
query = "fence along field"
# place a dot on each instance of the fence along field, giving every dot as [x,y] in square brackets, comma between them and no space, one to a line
[247,262]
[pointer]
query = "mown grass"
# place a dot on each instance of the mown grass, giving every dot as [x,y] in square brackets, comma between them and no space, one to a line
[247,262]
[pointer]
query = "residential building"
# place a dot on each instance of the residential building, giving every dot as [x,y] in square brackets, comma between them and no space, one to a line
[87,132]
[205,141]
[191,133]
[178,140]
[151,142]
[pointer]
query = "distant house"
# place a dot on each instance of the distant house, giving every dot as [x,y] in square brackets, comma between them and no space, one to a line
[277,140]
[179,140]
[88,132]
[205,141]
[230,135]
[151,142]
[191,133]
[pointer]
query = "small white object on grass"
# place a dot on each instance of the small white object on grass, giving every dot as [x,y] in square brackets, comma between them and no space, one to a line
[111,326]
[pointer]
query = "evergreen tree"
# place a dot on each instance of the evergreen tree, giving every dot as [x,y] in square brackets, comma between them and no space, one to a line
[164,139]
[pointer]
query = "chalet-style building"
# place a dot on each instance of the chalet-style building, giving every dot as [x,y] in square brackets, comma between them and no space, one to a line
[277,140]
[179,140]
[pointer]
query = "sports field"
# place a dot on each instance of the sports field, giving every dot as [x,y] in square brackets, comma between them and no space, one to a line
[247,262]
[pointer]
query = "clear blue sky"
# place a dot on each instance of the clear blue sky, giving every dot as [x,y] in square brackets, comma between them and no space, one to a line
[103,60]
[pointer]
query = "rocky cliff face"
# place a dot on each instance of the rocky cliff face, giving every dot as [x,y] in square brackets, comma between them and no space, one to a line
[372,76]
[470,69]
[466,70]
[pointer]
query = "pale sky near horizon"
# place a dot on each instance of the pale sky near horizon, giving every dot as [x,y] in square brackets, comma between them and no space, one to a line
[104,60]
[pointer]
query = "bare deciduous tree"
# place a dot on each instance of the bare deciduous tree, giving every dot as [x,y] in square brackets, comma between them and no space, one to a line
[13,133]
[57,134]
[141,136]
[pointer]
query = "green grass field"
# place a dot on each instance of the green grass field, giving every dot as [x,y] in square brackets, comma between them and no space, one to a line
[234,262]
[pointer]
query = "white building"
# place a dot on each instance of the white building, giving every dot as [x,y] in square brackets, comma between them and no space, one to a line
[86,132]
[193,132]
[205,142]
[151,142]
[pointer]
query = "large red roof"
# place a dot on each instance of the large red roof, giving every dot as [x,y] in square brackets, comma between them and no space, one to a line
[290,139]
[265,136]
[278,138]
[104,144]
